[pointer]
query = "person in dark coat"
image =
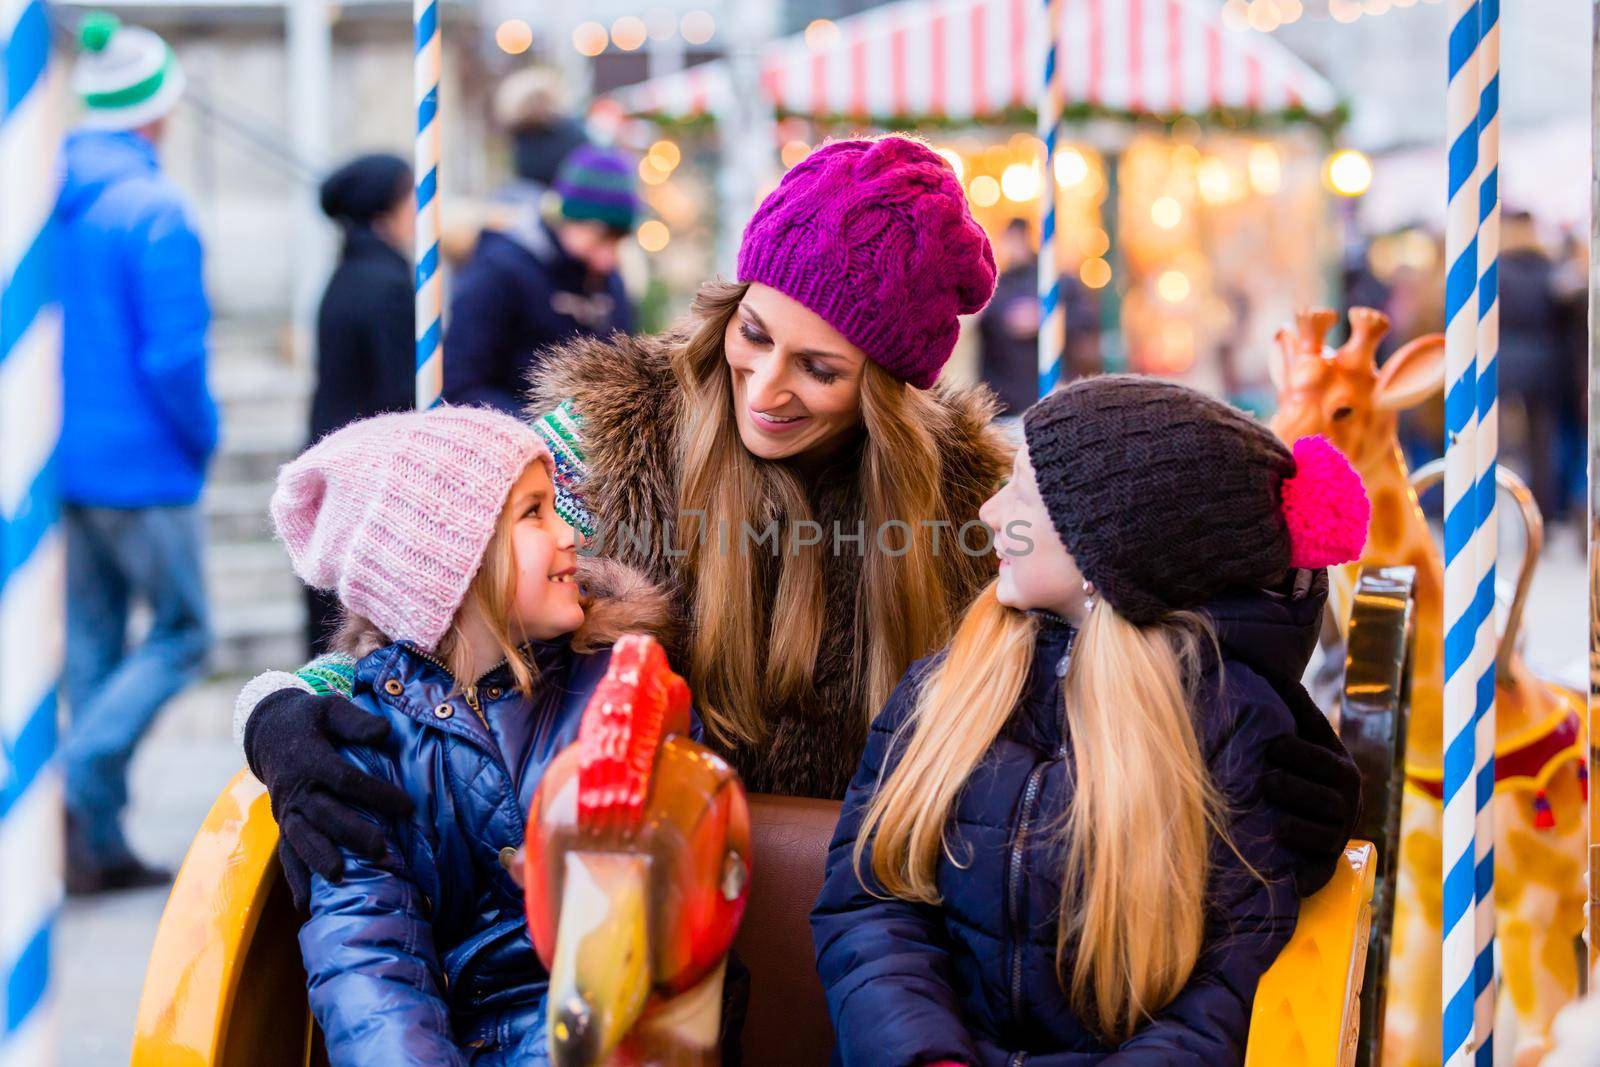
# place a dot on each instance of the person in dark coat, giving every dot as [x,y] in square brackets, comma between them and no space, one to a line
[549,277]
[366,337]
[529,106]
[1009,326]
[1533,370]
[1060,847]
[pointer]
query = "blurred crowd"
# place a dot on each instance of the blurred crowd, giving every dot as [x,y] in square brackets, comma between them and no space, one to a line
[539,267]
[1544,345]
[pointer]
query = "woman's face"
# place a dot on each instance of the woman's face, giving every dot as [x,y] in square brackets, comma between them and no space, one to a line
[546,559]
[796,380]
[1036,571]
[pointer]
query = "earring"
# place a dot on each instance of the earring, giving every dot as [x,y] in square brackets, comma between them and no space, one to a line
[1088,596]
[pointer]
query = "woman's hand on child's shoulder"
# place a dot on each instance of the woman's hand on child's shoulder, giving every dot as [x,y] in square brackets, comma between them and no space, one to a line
[292,742]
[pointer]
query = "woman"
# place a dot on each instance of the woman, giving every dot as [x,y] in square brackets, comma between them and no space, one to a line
[786,466]
[365,337]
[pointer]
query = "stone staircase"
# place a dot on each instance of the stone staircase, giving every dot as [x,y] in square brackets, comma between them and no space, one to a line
[257,612]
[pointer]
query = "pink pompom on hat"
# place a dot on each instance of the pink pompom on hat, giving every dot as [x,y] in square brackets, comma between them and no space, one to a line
[1325,506]
[393,513]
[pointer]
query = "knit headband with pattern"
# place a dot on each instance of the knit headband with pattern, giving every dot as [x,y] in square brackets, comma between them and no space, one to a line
[561,431]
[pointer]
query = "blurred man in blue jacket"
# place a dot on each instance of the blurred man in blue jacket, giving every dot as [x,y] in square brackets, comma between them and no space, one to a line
[139,426]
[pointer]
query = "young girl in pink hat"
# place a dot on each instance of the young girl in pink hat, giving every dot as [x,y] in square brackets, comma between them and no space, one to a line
[477,653]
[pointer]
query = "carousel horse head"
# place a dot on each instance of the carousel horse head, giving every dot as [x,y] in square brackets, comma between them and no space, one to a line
[1341,393]
[637,864]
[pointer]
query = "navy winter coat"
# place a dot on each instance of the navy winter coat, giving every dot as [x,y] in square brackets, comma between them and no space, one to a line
[424,956]
[974,980]
[514,297]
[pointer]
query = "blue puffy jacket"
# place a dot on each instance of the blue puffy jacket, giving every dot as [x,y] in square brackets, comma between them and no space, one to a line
[139,422]
[424,956]
[974,980]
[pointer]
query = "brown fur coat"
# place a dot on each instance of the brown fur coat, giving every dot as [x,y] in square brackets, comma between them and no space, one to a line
[625,392]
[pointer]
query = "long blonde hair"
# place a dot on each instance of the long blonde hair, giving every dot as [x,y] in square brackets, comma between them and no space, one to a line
[746,655]
[1137,834]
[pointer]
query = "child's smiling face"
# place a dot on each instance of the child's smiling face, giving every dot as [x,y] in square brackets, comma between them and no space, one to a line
[544,549]
[1036,570]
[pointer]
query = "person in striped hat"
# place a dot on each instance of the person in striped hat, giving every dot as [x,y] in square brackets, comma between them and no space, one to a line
[127,77]
[546,276]
[139,425]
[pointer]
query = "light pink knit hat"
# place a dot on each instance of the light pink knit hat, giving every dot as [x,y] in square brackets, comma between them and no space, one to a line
[393,513]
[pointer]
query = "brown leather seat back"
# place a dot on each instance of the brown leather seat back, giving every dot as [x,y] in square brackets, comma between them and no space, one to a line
[787,1024]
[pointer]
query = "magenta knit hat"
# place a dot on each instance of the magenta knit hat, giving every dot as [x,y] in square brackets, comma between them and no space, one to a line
[393,513]
[875,237]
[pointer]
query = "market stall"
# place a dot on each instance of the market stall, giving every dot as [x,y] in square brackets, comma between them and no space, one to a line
[1188,183]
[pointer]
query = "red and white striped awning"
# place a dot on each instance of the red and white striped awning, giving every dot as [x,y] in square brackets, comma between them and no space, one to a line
[961,59]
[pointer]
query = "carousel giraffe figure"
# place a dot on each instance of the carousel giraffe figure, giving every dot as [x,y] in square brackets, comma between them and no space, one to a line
[1540,787]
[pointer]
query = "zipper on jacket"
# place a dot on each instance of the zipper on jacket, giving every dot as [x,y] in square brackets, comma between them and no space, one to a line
[1014,875]
[471,693]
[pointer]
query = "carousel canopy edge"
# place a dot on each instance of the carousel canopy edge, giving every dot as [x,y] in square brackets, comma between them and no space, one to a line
[954,62]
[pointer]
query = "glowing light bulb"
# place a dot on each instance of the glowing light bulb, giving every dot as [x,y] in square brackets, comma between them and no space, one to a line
[821,34]
[1266,169]
[653,235]
[1095,273]
[590,38]
[1166,212]
[513,36]
[629,33]
[1071,168]
[1348,172]
[665,155]
[984,190]
[1020,182]
[697,27]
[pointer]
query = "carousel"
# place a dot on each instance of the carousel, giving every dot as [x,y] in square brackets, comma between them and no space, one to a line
[1453,930]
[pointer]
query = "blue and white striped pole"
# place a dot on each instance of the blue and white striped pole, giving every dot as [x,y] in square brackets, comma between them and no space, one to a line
[1487,453]
[1052,315]
[32,572]
[430,303]
[1468,596]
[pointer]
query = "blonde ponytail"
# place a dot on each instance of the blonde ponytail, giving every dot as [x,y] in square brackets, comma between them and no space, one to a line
[1137,841]
[1137,836]
[959,712]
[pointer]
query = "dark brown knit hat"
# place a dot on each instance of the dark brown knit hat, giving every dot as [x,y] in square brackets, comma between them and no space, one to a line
[1165,497]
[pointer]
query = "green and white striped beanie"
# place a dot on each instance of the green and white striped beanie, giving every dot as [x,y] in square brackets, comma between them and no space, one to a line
[126,76]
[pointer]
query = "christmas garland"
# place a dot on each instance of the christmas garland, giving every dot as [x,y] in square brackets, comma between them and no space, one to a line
[1328,123]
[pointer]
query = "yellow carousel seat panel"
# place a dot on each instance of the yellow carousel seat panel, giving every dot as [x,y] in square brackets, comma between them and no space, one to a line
[1307,1008]
[225,986]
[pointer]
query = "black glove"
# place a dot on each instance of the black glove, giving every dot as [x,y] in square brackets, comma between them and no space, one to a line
[292,744]
[1315,786]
